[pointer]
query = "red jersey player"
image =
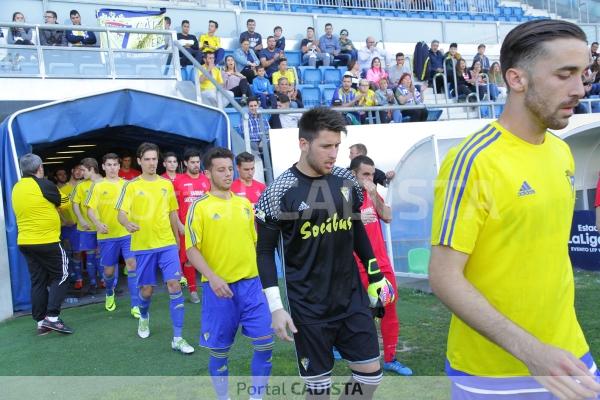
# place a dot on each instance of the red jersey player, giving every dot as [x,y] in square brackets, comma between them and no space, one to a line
[170,163]
[372,210]
[245,185]
[126,172]
[189,187]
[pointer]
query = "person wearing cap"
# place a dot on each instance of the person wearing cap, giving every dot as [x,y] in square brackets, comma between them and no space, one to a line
[346,45]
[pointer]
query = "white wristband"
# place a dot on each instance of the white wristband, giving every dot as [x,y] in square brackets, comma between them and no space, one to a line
[273,298]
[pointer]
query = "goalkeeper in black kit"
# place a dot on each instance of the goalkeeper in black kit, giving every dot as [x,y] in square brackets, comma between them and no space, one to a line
[315,207]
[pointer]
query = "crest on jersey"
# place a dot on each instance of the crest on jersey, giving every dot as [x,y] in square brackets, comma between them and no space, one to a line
[305,363]
[247,212]
[216,217]
[345,192]
[164,192]
[206,335]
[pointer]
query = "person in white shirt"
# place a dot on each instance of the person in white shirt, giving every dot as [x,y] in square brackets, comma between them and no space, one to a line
[369,52]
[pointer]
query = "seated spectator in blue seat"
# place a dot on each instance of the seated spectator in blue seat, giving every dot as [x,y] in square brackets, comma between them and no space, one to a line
[210,94]
[246,60]
[283,71]
[482,58]
[346,45]
[369,52]
[435,65]
[480,82]
[52,37]
[254,38]
[396,71]
[263,90]
[235,81]
[496,79]
[311,53]
[465,84]
[285,87]
[279,38]
[190,42]
[592,90]
[348,96]
[269,57]
[385,96]
[330,44]
[77,37]
[20,36]
[279,121]
[376,73]
[211,43]
[408,94]
[354,73]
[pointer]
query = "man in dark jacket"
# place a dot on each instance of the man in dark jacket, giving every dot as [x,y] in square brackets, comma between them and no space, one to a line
[435,64]
[78,37]
[51,37]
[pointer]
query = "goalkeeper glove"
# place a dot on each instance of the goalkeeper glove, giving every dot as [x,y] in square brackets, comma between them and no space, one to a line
[380,290]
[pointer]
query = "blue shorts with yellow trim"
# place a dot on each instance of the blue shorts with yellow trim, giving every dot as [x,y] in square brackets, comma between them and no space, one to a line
[148,261]
[110,249]
[221,317]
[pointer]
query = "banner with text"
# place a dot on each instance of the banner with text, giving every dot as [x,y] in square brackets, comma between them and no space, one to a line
[115,18]
[584,243]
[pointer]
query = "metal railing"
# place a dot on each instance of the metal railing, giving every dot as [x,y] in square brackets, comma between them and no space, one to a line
[427,6]
[104,60]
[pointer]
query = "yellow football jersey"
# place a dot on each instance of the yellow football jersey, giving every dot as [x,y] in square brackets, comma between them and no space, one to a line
[224,233]
[103,199]
[67,211]
[509,205]
[78,196]
[148,204]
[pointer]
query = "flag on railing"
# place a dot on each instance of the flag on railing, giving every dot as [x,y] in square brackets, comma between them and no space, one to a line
[116,18]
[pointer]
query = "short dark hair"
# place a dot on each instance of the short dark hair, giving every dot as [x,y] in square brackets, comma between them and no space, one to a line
[260,67]
[185,21]
[310,28]
[243,157]
[191,152]
[595,43]
[400,54]
[453,45]
[270,37]
[480,46]
[212,21]
[318,119]
[90,163]
[52,12]
[435,41]
[109,156]
[358,160]
[282,59]
[73,13]
[169,154]
[249,20]
[168,19]
[525,43]
[253,98]
[360,147]
[328,24]
[283,98]
[216,152]
[244,40]
[277,27]
[146,146]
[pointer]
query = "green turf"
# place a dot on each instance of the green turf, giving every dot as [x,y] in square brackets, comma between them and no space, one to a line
[106,344]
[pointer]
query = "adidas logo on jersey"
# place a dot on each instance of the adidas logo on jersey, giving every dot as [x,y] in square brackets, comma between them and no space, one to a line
[216,216]
[303,206]
[526,189]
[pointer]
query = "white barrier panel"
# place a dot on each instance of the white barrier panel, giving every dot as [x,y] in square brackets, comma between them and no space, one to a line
[6,305]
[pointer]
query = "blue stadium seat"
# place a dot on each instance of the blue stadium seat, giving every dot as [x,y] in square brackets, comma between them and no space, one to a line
[235,118]
[327,91]
[61,68]
[477,17]
[402,14]
[342,68]
[93,69]
[30,68]
[183,74]
[294,58]
[464,17]
[453,17]
[331,75]
[189,73]
[427,15]
[300,71]
[517,11]
[125,69]
[312,76]
[149,71]
[434,114]
[489,18]
[311,96]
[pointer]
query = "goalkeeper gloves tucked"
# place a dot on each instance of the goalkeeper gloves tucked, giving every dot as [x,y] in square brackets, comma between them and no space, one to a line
[380,290]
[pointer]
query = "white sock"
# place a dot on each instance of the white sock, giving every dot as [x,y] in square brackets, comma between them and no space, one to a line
[52,319]
[176,338]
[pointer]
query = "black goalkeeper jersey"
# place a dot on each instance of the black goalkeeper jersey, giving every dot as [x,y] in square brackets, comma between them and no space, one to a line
[315,217]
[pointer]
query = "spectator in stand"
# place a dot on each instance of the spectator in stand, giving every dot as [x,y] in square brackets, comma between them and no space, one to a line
[167,23]
[380,177]
[496,79]
[127,171]
[270,57]
[346,46]
[330,44]
[385,96]
[21,36]
[480,82]
[279,121]
[168,38]
[369,52]
[408,94]
[279,38]
[257,125]
[246,186]
[594,50]
[311,53]
[348,97]
[451,57]
[210,95]
[190,43]
[465,84]
[80,38]
[595,70]
[284,87]
[367,99]
[263,90]
[283,71]
[482,58]
[211,43]
[376,73]
[401,67]
[254,38]
[235,81]
[52,37]
[354,73]
[246,60]
[435,65]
